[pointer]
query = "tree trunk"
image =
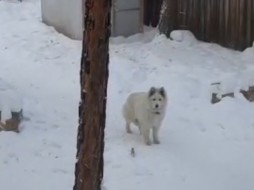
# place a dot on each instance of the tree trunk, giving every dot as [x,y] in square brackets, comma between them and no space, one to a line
[147,12]
[92,109]
[152,10]
[156,8]
[169,17]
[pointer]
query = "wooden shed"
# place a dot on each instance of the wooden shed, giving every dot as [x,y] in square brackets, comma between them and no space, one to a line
[66,16]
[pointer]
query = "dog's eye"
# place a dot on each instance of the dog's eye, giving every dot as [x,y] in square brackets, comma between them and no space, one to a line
[154,99]
[160,99]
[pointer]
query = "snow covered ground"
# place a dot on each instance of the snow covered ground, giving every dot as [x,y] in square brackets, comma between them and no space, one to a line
[203,146]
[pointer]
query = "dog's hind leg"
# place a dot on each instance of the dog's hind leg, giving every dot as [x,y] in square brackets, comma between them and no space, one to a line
[128,127]
[140,132]
[136,122]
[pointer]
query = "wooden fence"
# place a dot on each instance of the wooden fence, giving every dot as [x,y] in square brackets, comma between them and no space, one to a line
[226,22]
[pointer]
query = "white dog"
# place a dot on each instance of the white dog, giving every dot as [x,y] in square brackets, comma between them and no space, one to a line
[146,110]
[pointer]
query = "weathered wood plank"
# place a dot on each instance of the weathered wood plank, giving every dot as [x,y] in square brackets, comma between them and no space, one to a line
[226,22]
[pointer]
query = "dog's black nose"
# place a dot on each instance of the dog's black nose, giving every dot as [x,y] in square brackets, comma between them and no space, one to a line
[156,106]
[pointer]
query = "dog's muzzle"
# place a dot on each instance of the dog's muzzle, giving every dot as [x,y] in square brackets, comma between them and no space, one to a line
[156,112]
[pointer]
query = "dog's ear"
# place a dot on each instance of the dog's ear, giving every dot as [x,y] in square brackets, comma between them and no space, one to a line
[162,92]
[151,91]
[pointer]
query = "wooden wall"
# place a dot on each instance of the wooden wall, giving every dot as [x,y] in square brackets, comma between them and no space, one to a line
[226,22]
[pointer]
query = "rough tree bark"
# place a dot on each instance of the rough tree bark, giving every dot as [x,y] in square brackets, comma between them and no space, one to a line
[92,109]
[169,18]
[152,10]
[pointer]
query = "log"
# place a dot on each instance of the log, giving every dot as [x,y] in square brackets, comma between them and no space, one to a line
[215,99]
[13,123]
[248,94]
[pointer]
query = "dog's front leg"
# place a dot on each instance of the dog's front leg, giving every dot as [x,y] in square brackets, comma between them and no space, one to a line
[146,134]
[155,135]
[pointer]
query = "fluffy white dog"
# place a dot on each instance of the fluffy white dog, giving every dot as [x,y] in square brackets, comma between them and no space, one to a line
[146,110]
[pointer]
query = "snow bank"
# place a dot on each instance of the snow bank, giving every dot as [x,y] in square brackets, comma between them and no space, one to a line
[248,54]
[184,36]
[149,35]
[10,100]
